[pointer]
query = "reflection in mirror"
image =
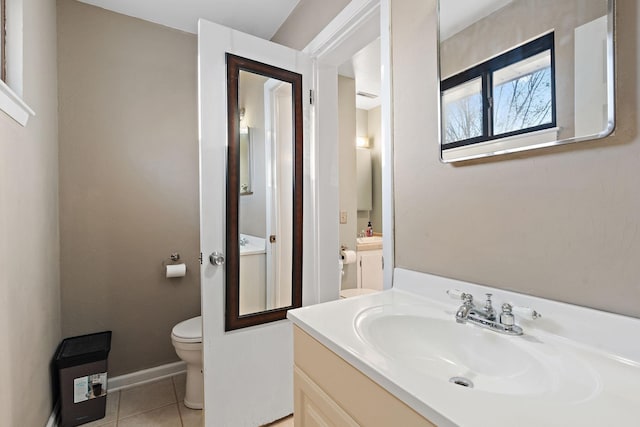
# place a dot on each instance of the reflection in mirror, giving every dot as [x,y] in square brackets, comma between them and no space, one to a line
[264,227]
[246,159]
[524,74]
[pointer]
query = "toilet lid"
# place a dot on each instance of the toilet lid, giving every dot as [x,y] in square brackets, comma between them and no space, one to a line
[189,330]
[348,293]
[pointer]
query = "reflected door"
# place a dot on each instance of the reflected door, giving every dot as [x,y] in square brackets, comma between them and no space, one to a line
[247,372]
[266,215]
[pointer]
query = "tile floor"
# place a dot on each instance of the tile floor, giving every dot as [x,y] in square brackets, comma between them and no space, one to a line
[157,404]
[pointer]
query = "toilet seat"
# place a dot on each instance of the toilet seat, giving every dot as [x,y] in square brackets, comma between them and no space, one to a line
[188,331]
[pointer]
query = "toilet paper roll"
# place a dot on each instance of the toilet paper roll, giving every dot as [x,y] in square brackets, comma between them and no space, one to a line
[348,256]
[176,270]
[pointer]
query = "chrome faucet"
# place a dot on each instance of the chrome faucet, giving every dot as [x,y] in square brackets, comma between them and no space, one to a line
[486,317]
[468,308]
[465,308]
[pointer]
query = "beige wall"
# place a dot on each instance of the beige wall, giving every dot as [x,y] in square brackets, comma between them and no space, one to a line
[128,181]
[29,245]
[561,223]
[306,20]
[347,171]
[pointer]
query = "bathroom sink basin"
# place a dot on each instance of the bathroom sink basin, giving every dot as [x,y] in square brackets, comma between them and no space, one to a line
[469,356]
[369,243]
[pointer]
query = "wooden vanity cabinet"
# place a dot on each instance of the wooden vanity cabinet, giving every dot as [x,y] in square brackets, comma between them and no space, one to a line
[328,391]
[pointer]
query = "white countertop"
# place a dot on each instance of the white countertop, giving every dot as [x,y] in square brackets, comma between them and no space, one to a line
[605,345]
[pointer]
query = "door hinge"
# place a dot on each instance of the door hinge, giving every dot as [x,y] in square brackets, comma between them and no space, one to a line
[311,96]
[382,258]
[200,258]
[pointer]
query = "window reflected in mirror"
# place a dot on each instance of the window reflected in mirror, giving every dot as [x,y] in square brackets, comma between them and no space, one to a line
[524,74]
[462,112]
[511,94]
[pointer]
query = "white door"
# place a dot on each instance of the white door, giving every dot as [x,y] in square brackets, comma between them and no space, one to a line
[248,372]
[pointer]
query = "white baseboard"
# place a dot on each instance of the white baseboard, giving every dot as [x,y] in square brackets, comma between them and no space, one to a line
[133,379]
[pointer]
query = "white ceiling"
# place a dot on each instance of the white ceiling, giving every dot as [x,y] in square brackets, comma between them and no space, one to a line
[456,15]
[364,67]
[261,18]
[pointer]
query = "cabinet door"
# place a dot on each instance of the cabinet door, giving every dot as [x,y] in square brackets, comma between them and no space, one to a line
[313,407]
[370,270]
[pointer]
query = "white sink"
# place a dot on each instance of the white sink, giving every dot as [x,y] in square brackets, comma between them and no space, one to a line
[369,243]
[574,367]
[492,362]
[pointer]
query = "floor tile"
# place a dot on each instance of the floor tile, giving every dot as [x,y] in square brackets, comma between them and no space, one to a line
[166,416]
[191,417]
[111,412]
[146,397]
[180,382]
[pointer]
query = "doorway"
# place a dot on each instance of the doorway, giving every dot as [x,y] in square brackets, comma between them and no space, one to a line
[360,171]
[361,23]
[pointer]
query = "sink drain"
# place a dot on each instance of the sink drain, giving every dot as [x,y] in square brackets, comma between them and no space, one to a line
[464,382]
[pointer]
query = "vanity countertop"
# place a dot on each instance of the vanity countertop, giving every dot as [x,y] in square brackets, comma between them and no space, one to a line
[591,359]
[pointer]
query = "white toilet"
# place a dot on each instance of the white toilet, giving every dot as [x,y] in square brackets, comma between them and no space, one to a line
[348,293]
[187,340]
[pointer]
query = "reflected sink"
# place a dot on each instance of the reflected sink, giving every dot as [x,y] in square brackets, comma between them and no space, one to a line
[369,243]
[439,347]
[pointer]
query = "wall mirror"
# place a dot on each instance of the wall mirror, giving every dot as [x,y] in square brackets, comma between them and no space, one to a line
[518,75]
[264,226]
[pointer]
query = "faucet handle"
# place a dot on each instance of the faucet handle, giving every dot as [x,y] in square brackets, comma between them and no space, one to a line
[467,298]
[526,312]
[506,317]
[455,293]
[459,295]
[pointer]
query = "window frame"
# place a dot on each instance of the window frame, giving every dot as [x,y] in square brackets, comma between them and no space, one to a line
[3,40]
[485,71]
[11,102]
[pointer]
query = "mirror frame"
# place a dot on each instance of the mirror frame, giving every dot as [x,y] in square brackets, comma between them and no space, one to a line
[233,319]
[494,148]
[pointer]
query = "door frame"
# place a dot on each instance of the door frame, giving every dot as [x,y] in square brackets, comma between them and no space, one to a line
[351,30]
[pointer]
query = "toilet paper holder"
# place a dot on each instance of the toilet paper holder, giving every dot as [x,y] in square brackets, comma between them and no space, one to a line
[173,267]
[174,257]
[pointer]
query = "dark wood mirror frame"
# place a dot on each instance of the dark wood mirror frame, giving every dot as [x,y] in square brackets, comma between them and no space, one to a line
[233,319]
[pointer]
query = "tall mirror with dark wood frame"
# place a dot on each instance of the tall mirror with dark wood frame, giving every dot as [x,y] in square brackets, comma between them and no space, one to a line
[264,226]
[524,74]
